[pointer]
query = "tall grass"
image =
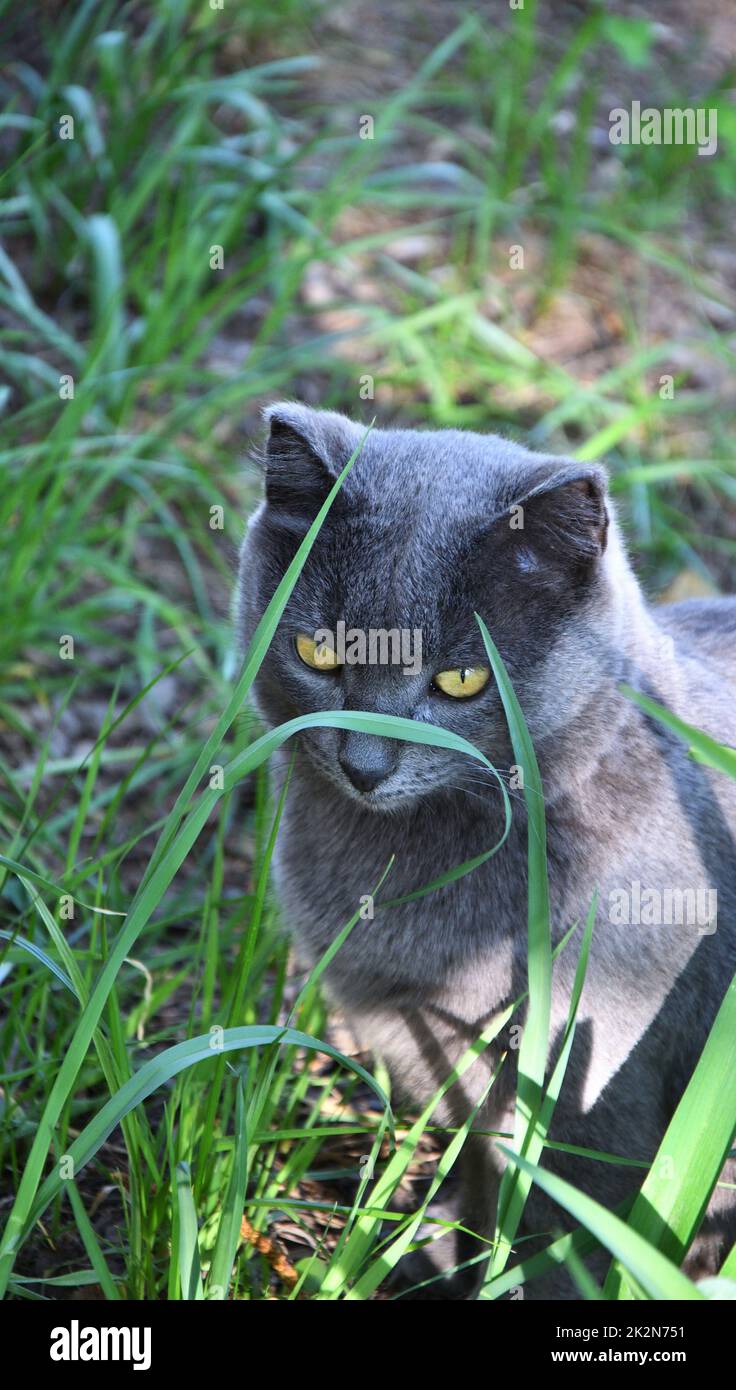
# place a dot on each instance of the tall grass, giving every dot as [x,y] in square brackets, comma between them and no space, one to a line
[160,1078]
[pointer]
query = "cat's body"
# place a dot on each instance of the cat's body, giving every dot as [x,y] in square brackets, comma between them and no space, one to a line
[625,805]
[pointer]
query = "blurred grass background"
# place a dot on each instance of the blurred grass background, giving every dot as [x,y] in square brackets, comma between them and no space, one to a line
[216,234]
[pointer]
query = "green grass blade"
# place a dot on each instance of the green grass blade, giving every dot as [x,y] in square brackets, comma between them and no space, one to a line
[658,1277]
[91,1244]
[517,1191]
[160,1070]
[328,956]
[39,955]
[389,1257]
[535,1036]
[190,1273]
[678,1187]
[716,755]
[358,1247]
[546,1261]
[228,1231]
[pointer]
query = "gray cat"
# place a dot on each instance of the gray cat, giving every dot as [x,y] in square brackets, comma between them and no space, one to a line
[430,527]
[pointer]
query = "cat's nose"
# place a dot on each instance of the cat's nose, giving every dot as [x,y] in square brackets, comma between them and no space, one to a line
[364,778]
[367,760]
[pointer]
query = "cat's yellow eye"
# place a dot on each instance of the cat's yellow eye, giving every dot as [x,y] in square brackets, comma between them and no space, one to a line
[316,654]
[463,682]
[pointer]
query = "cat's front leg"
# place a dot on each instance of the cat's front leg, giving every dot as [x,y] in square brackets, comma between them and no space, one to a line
[453,1265]
[421,1048]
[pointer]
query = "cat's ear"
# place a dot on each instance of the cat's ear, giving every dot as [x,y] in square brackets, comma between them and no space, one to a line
[562,520]
[305,452]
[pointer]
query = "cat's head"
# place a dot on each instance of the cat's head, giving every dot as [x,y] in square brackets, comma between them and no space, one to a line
[429,528]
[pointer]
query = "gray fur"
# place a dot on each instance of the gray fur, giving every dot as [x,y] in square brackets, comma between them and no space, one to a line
[420,538]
